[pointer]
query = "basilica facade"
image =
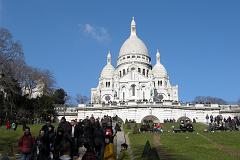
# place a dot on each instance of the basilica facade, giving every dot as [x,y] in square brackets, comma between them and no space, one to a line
[134,78]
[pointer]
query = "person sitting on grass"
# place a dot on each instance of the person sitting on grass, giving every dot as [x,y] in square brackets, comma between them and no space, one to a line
[123,153]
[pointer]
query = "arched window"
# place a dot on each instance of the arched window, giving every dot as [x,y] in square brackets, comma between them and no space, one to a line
[120,73]
[133,89]
[139,70]
[123,72]
[143,72]
[147,73]
[107,84]
[159,83]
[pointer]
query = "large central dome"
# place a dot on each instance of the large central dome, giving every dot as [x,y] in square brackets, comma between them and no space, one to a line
[133,45]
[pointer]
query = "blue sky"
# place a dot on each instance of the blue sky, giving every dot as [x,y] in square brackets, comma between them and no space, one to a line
[199,41]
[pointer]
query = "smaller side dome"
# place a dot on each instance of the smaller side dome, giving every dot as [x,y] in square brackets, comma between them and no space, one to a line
[108,70]
[159,70]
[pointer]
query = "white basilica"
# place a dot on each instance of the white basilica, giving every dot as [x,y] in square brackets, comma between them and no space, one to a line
[135,90]
[134,79]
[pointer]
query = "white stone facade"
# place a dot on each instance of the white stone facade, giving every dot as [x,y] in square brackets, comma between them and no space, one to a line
[133,79]
[135,89]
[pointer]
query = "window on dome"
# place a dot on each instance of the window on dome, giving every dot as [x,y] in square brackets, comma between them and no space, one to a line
[138,57]
[123,58]
[120,73]
[128,56]
[132,69]
[124,72]
[133,56]
[143,72]
[139,70]
[159,83]
[107,84]
[143,57]
[147,73]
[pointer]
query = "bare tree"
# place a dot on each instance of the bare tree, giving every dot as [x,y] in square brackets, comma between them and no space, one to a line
[96,99]
[209,100]
[9,49]
[81,99]
[48,80]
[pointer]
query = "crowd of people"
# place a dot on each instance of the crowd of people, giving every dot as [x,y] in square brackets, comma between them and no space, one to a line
[169,120]
[88,139]
[223,124]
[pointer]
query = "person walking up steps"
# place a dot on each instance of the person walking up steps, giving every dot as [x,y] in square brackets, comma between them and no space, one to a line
[26,144]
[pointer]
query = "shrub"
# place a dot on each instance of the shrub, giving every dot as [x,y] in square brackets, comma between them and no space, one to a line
[135,129]
[129,126]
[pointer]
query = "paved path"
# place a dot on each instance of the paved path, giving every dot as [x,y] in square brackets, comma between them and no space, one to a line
[120,140]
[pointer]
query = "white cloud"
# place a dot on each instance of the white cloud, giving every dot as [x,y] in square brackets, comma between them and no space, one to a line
[98,33]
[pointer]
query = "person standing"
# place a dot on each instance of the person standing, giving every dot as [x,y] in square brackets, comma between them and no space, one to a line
[26,144]
[13,126]
[123,153]
[66,126]
[74,135]
[8,125]
[108,150]
[42,146]
[207,118]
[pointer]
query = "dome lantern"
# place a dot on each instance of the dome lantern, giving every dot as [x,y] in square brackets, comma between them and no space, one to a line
[133,27]
[158,57]
[109,59]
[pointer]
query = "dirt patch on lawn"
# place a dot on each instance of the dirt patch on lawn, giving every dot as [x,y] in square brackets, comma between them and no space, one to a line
[162,153]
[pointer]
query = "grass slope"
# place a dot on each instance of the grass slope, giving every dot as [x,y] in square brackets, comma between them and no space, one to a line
[189,146]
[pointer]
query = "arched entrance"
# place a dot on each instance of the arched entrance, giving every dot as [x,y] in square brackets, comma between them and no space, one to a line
[184,118]
[150,119]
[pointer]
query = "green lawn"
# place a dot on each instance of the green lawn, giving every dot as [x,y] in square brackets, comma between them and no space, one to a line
[189,146]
